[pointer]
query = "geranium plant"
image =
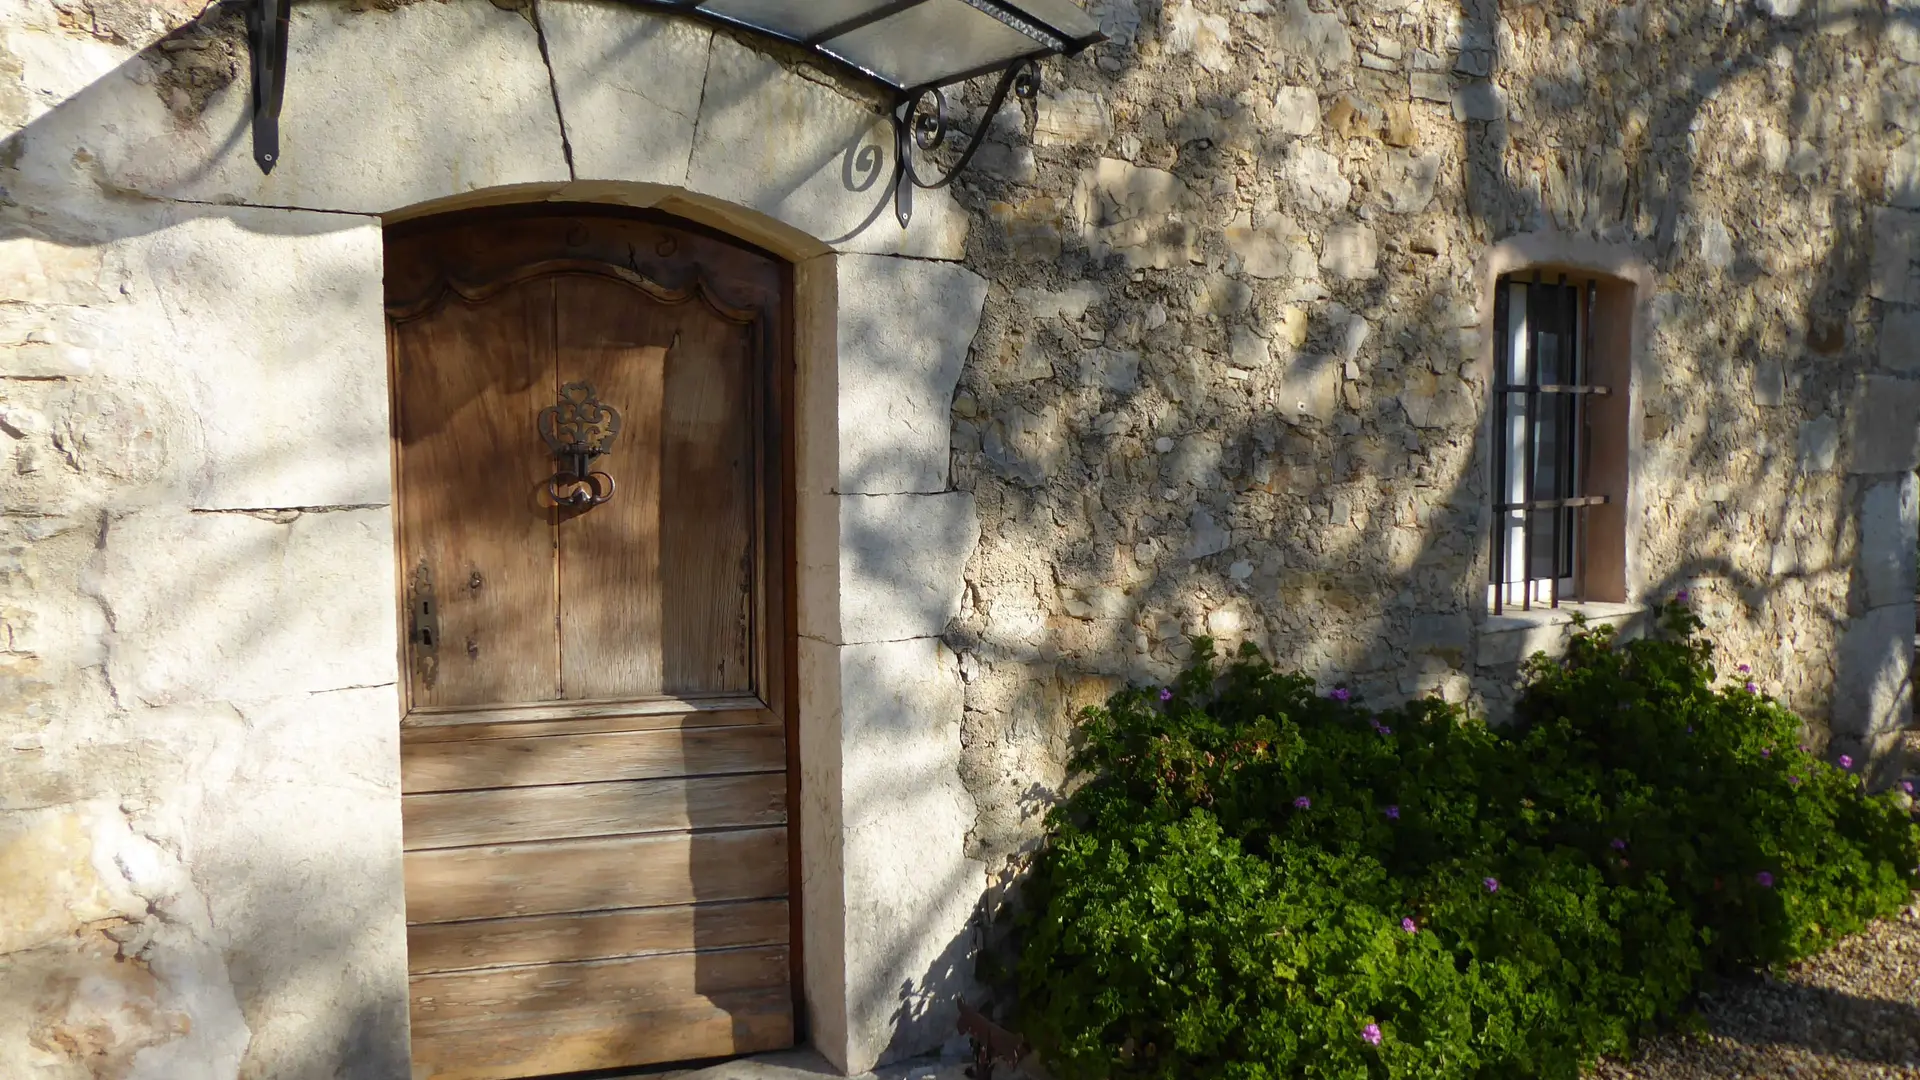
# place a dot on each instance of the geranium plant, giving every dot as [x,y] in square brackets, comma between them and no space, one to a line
[1256,880]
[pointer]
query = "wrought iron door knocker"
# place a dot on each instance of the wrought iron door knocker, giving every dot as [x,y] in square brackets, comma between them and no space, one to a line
[578,428]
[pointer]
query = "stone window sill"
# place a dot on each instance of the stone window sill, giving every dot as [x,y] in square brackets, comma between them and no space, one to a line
[1513,635]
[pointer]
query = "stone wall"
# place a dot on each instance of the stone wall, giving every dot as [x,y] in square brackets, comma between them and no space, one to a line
[199,818]
[199,784]
[1198,345]
[1232,373]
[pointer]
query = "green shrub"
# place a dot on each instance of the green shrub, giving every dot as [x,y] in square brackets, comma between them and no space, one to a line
[1256,881]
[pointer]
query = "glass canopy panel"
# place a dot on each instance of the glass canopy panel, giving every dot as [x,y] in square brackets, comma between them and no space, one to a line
[1062,15]
[932,43]
[795,19]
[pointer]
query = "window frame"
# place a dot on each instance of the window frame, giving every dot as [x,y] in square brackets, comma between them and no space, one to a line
[1566,308]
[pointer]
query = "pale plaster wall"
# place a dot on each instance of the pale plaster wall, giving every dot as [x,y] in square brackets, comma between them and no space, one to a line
[199,784]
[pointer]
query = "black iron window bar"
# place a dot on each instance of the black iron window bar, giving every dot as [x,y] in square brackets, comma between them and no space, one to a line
[850,34]
[1564,313]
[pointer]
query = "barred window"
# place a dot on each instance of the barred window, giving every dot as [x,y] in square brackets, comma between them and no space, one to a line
[1542,439]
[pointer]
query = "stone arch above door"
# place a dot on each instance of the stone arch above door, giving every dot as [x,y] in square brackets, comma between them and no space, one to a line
[233,322]
[394,108]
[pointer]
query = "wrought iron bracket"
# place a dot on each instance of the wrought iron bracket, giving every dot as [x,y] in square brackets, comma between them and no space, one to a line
[914,126]
[267,48]
[578,429]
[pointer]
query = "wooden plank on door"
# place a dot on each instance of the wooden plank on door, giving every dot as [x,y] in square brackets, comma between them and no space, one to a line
[578,759]
[609,808]
[544,939]
[556,1018]
[614,336]
[449,884]
[567,719]
[710,537]
[472,381]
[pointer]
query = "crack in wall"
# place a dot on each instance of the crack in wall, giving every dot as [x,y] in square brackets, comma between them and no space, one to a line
[283,515]
[553,85]
[92,590]
[699,110]
[256,206]
[355,686]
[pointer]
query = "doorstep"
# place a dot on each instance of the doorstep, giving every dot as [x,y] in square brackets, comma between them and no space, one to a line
[803,1063]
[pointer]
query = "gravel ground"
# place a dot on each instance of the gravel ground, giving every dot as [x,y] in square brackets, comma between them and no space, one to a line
[1852,1012]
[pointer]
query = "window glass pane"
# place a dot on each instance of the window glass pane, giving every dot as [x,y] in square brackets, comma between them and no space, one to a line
[1547,364]
[792,18]
[1549,453]
[1063,15]
[1541,523]
[930,43]
[1516,332]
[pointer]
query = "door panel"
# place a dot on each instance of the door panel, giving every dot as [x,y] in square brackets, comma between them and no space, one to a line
[594,757]
[709,491]
[610,564]
[468,508]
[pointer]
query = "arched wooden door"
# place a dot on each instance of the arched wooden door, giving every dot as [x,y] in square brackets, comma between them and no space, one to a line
[594,755]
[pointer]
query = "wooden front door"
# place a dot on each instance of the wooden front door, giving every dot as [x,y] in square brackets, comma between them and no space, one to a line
[594,755]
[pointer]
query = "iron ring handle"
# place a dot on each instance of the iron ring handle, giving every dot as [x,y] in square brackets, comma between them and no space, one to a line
[586,489]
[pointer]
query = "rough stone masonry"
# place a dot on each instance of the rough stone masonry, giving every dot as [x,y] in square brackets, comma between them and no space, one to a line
[1225,377]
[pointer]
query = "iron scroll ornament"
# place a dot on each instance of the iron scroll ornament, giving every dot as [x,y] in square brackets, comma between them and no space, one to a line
[578,428]
[913,127]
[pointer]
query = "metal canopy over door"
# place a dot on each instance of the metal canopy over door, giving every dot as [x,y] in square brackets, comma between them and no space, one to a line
[594,757]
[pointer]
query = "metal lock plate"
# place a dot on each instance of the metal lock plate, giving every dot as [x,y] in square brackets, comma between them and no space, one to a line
[423,635]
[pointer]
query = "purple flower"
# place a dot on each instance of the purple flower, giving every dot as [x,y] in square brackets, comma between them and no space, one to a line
[1765,879]
[1371,1033]
[1409,926]
[1689,729]
[1492,884]
[1794,780]
[1745,668]
[1906,786]
[1752,689]
[1681,596]
[1619,844]
[1393,812]
[1340,693]
[1846,762]
[1804,748]
[1302,803]
[1385,730]
[1166,695]
[1766,751]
